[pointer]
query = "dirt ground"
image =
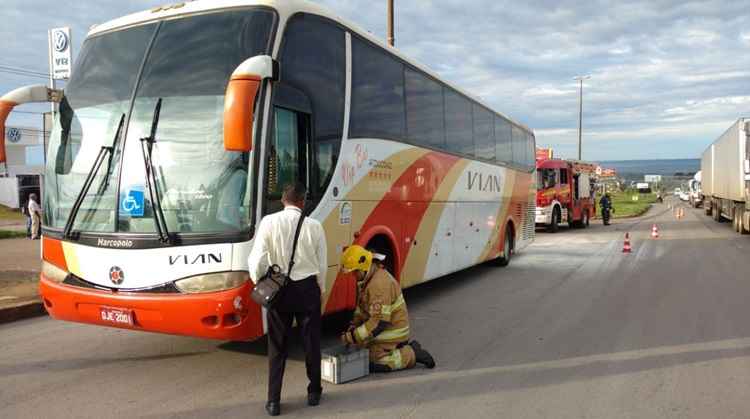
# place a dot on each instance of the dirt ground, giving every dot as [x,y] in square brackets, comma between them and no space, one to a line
[20,264]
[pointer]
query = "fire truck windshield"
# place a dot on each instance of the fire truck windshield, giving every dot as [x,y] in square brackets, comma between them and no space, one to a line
[187,63]
[546,178]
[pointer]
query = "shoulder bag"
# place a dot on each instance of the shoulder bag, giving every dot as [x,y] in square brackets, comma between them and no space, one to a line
[269,286]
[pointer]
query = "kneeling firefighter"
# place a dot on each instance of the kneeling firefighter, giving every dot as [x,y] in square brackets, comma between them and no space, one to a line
[381,321]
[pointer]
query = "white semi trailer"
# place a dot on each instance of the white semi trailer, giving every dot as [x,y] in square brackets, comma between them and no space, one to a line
[725,168]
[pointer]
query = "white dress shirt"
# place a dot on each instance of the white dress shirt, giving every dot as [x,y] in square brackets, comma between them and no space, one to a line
[34,208]
[273,245]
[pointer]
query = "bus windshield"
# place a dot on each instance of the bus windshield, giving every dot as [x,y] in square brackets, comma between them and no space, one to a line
[186,63]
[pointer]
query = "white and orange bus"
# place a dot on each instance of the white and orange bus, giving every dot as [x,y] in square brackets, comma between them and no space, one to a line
[180,125]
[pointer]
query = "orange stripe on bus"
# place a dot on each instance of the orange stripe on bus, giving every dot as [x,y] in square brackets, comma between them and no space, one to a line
[418,183]
[52,252]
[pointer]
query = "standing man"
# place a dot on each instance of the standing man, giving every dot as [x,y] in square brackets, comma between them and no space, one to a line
[301,298]
[35,212]
[25,212]
[606,204]
[381,321]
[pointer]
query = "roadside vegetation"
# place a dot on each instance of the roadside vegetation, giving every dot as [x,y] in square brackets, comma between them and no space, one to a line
[7,234]
[625,206]
[10,214]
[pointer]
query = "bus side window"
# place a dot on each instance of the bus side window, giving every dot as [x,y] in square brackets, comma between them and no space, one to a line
[313,61]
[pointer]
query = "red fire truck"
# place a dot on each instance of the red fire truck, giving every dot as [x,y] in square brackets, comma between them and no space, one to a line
[564,193]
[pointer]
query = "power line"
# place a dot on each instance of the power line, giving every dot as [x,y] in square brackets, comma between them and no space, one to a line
[24,70]
[29,112]
[18,73]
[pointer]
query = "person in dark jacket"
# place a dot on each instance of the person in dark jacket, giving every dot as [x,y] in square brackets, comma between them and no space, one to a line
[606,205]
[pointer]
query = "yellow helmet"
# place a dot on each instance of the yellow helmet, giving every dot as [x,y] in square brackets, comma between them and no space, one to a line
[356,258]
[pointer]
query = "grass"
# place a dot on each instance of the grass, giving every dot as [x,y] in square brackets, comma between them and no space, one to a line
[10,214]
[5,234]
[625,206]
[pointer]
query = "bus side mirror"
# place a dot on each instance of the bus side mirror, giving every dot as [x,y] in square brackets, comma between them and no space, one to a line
[240,99]
[26,94]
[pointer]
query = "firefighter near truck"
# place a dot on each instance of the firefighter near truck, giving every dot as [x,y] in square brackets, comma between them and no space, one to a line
[565,193]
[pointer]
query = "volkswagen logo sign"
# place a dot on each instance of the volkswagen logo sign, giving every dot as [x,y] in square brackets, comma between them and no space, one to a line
[116,275]
[60,40]
[14,135]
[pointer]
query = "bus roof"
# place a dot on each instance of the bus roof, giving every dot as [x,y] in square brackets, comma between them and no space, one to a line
[285,9]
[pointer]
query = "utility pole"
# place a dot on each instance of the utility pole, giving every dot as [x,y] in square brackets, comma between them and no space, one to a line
[580,110]
[391,39]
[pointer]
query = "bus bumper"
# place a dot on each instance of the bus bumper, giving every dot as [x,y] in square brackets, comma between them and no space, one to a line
[225,315]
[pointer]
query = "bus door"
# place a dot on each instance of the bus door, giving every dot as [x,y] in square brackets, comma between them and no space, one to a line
[288,151]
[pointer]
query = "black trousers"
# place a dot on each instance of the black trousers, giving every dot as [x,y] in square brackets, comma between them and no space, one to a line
[299,300]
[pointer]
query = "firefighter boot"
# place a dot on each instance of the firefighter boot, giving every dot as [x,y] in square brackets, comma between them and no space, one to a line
[423,357]
[379,367]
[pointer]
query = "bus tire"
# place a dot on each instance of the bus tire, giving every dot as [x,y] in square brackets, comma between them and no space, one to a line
[504,260]
[554,224]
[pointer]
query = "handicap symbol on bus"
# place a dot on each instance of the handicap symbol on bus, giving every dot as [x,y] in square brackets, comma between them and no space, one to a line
[131,203]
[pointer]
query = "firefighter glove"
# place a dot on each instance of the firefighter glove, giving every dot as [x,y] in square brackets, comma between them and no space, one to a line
[348,337]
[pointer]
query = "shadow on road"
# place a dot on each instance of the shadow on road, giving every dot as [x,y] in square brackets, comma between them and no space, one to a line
[388,390]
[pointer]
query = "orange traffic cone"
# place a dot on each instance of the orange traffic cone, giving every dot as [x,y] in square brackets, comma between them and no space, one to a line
[654,232]
[626,246]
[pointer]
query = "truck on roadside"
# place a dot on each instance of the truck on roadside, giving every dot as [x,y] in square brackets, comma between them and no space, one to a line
[725,171]
[565,193]
[695,190]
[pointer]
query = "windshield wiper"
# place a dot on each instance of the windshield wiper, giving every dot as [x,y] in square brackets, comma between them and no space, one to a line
[105,184]
[147,144]
[103,151]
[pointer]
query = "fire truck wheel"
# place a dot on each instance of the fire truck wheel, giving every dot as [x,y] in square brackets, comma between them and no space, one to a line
[554,224]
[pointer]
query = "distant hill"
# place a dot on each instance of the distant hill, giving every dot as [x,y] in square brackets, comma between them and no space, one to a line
[653,167]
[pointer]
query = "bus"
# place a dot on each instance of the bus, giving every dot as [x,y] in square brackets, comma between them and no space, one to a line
[181,124]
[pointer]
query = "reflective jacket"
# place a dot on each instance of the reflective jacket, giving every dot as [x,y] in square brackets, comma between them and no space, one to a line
[381,315]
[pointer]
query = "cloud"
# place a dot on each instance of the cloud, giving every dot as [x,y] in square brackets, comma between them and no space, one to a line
[663,72]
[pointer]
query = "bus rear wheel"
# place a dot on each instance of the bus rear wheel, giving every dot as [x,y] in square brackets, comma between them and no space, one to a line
[504,260]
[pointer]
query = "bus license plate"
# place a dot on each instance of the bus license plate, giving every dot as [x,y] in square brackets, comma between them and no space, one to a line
[117,315]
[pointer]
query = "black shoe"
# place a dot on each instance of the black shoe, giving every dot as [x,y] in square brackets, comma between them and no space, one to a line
[379,367]
[273,408]
[313,399]
[423,357]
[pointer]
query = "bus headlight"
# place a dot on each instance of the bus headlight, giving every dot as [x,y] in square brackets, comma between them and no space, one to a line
[211,282]
[53,273]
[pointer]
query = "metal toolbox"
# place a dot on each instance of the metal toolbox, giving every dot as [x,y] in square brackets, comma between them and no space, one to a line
[344,363]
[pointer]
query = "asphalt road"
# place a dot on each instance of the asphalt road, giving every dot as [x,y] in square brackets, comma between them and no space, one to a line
[572,329]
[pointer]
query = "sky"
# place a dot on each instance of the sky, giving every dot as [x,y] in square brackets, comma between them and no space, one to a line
[667,77]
